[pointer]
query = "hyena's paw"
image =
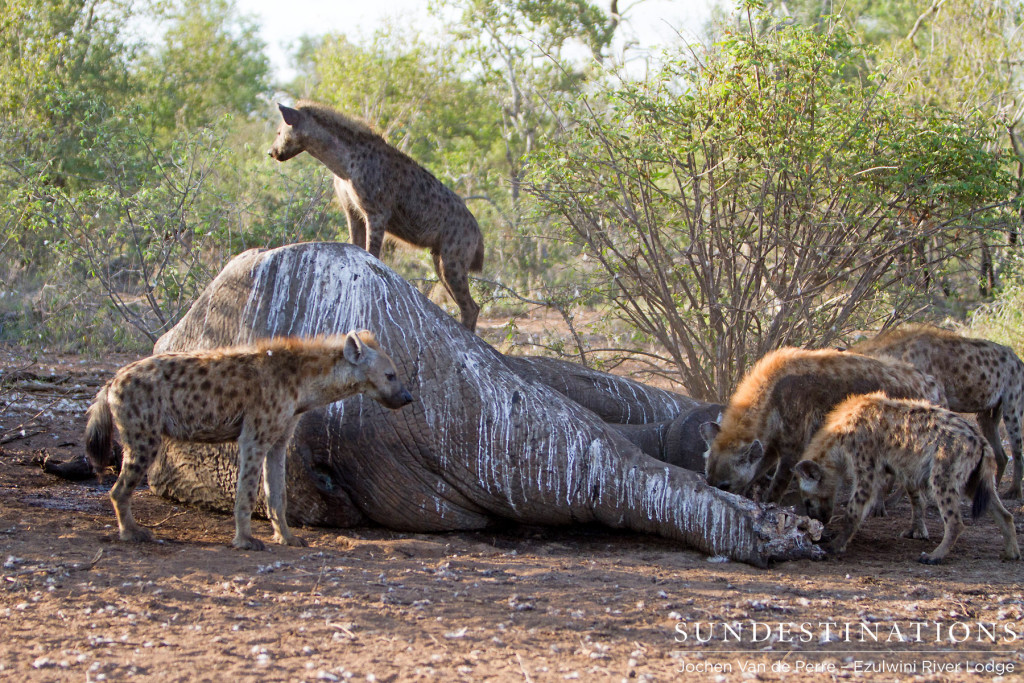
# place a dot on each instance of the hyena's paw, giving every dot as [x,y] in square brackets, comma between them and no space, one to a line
[921,534]
[248,543]
[1009,555]
[137,535]
[1014,492]
[925,558]
[835,550]
[291,540]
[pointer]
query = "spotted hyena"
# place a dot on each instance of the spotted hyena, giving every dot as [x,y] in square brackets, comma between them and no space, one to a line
[252,394]
[382,190]
[978,376]
[929,449]
[782,401]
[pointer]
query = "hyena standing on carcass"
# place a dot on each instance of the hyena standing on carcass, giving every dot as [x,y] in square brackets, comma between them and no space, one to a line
[252,394]
[928,449]
[782,401]
[978,376]
[382,190]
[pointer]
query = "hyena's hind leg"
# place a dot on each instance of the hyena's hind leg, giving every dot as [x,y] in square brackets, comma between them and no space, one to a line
[1012,419]
[453,270]
[1004,520]
[947,499]
[274,479]
[918,506]
[988,421]
[140,449]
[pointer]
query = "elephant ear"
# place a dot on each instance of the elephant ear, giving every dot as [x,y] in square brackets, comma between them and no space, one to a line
[290,116]
[808,471]
[709,431]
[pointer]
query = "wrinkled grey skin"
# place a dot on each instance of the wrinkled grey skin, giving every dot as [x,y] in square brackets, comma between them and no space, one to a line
[677,442]
[481,442]
[612,398]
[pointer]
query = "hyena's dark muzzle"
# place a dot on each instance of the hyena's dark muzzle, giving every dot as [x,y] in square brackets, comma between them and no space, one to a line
[397,399]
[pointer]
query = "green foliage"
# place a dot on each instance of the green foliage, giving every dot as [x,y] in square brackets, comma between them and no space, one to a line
[412,92]
[209,62]
[773,193]
[58,60]
[1002,320]
[806,176]
[126,183]
[67,48]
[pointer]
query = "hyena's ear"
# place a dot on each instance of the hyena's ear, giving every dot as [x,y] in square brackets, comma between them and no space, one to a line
[808,471]
[754,453]
[709,431]
[290,116]
[354,348]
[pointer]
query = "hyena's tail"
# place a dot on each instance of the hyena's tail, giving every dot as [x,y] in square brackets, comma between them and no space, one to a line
[99,432]
[477,264]
[981,482]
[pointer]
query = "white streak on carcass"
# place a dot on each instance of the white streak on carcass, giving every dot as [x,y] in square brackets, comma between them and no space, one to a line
[511,447]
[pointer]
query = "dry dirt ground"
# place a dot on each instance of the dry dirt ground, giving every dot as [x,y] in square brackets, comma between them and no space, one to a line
[515,603]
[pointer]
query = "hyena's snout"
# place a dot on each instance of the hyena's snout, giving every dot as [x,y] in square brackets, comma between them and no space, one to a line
[397,399]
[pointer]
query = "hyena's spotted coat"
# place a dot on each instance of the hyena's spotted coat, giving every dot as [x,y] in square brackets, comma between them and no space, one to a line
[978,376]
[383,190]
[252,394]
[929,450]
[782,401]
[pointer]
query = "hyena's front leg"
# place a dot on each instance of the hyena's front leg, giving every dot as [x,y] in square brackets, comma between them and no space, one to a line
[788,459]
[274,479]
[864,494]
[376,226]
[353,213]
[139,451]
[251,454]
[356,228]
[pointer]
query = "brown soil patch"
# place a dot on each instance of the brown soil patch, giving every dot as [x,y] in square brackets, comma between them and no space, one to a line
[517,603]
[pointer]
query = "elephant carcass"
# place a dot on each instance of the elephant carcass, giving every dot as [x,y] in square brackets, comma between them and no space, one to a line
[479,443]
[614,399]
[663,424]
[677,441]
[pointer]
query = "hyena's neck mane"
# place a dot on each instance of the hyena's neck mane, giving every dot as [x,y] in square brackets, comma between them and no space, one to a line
[338,124]
[749,401]
[749,404]
[310,356]
[901,334]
